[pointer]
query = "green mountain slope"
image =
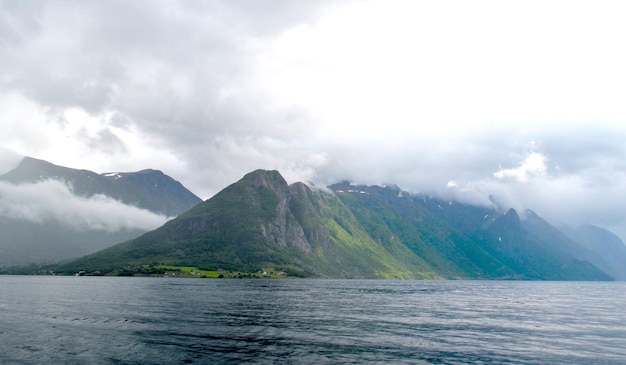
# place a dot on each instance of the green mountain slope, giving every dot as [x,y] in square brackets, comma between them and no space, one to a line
[349,232]
[531,247]
[394,218]
[259,222]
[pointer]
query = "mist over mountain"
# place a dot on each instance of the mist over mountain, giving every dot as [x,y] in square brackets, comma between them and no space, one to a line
[131,188]
[50,213]
[347,231]
[609,249]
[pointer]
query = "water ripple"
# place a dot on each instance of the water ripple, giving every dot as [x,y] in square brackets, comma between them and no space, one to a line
[170,321]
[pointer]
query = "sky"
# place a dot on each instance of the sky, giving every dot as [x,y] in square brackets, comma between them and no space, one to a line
[521,101]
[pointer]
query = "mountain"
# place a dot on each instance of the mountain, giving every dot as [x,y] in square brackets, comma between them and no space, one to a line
[528,245]
[258,222]
[66,227]
[391,216]
[146,189]
[608,249]
[347,231]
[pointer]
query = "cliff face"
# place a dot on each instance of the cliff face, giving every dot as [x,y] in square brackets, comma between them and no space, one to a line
[283,229]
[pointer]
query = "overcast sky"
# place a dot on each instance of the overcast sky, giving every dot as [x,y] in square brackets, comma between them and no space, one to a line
[522,100]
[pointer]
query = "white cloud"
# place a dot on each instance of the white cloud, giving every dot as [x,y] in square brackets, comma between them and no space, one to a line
[51,200]
[534,165]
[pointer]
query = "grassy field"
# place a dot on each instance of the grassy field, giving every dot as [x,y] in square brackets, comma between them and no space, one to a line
[194,272]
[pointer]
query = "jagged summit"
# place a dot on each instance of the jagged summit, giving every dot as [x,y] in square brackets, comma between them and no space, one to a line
[267,175]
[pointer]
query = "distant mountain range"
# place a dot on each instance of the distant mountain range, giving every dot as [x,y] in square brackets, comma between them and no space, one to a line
[347,231]
[27,237]
[147,189]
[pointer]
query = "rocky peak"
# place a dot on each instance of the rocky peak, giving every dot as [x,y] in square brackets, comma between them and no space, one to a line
[508,225]
[265,178]
[512,215]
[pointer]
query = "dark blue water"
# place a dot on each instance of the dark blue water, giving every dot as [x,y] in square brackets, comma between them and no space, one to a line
[91,320]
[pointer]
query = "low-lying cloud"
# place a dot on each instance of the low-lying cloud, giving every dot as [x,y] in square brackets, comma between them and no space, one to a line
[52,200]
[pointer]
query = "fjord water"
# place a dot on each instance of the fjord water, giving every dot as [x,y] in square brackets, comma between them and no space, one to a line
[98,320]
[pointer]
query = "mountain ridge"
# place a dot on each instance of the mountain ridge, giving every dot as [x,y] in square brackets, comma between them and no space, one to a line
[134,188]
[346,232]
[259,211]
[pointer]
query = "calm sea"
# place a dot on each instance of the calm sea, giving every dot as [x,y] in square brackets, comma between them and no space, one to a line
[98,320]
